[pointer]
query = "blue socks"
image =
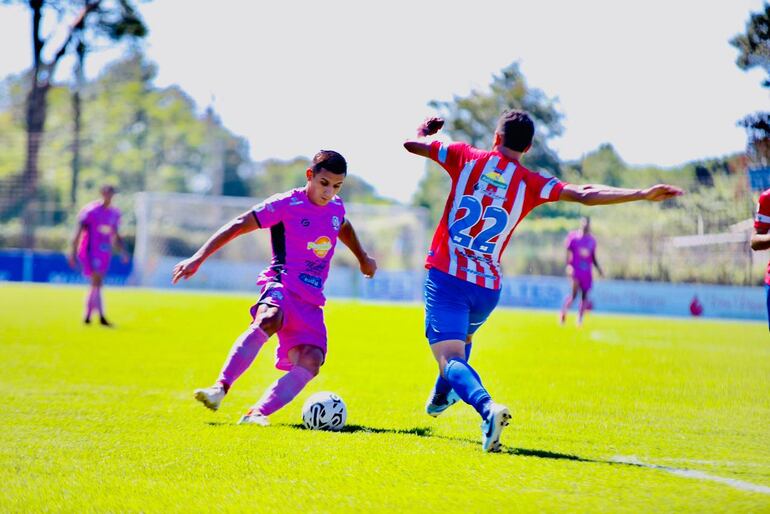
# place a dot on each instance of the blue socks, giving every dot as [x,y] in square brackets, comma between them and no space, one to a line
[467,384]
[443,387]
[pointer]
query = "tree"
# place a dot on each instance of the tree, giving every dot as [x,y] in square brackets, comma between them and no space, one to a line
[113,24]
[754,51]
[41,79]
[473,118]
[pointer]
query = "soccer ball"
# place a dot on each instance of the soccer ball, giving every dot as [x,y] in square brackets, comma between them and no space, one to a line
[324,411]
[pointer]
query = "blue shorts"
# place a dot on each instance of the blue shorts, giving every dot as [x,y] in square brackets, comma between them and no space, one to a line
[455,308]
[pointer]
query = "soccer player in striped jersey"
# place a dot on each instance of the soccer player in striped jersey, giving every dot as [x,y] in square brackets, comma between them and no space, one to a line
[491,193]
[760,239]
[304,224]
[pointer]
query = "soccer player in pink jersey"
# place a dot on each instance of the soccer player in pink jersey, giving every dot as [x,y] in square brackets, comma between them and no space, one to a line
[304,224]
[491,193]
[760,239]
[581,258]
[97,232]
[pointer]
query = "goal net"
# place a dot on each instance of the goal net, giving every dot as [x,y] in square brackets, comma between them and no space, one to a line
[172,226]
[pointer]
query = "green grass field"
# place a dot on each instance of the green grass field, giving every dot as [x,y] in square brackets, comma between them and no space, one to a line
[103,420]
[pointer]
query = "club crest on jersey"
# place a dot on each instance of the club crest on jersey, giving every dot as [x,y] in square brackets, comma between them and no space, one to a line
[335,222]
[320,246]
[494,178]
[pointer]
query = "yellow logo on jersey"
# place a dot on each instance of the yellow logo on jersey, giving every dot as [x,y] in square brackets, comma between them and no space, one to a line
[320,246]
[105,229]
[494,178]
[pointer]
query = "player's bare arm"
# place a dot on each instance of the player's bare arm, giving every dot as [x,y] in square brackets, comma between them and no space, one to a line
[427,128]
[121,245]
[598,194]
[760,240]
[239,225]
[71,258]
[596,265]
[349,238]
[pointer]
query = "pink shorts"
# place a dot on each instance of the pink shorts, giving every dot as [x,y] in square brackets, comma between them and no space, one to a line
[98,263]
[303,322]
[584,281]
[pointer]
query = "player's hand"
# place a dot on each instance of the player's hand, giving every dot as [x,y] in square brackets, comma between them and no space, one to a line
[430,126]
[71,261]
[660,192]
[570,270]
[368,266]
[124,257]
[185,269]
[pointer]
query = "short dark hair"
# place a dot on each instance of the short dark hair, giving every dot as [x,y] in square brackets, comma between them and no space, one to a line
[517,130]
[331,161]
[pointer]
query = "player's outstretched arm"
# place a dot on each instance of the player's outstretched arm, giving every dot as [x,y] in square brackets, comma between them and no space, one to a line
[760,240]
[237,226]
[427,128]
[597,194]
[348,236]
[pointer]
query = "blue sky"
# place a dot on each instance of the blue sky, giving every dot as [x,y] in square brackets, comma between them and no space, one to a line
[656,79]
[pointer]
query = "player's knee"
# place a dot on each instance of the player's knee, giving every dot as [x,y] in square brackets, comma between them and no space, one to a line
[311,359]
[269,320]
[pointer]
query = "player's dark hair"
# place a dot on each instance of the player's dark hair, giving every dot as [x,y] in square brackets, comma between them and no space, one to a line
[331,161]
[516,129]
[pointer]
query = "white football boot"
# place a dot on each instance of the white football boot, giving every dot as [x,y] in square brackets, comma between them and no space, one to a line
[254,418]
[435,409]
[211,397]
[492,427]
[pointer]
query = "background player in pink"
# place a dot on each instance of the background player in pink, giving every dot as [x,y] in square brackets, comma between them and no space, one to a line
[98,224]
[581,258]
[760,239]
[491,192]
[304,224]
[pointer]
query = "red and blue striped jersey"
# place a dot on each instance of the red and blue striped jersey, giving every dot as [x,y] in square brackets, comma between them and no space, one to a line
[490,195]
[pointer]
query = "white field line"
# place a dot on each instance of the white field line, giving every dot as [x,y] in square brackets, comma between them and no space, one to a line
[699,475]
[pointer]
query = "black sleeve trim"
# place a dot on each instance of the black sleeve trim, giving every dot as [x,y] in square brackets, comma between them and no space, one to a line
[253,213]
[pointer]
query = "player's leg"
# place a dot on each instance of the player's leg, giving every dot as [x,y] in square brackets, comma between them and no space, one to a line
[301,352]
[97,280]
[443,396]
[585,287]
[767,300]
[268,319]
[307,361]
[568,301]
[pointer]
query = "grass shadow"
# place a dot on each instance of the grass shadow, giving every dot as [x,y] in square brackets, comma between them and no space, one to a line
[418,431]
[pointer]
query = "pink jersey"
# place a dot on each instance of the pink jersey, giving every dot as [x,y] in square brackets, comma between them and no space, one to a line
[303,236]
[762,222]
[490,195]
[582,251]
[100,224]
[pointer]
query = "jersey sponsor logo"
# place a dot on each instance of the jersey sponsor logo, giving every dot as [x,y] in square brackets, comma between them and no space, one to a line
[489,193]
[105,229]
[335,222]
[320,246]
[494,178]
[479,273]
[315,267]
[311,280]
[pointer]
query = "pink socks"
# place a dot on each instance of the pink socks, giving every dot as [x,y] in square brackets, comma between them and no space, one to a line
[94,301]
[242,354]
[283,390]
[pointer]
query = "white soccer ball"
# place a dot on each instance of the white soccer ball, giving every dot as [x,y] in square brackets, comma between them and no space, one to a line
[324,411]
